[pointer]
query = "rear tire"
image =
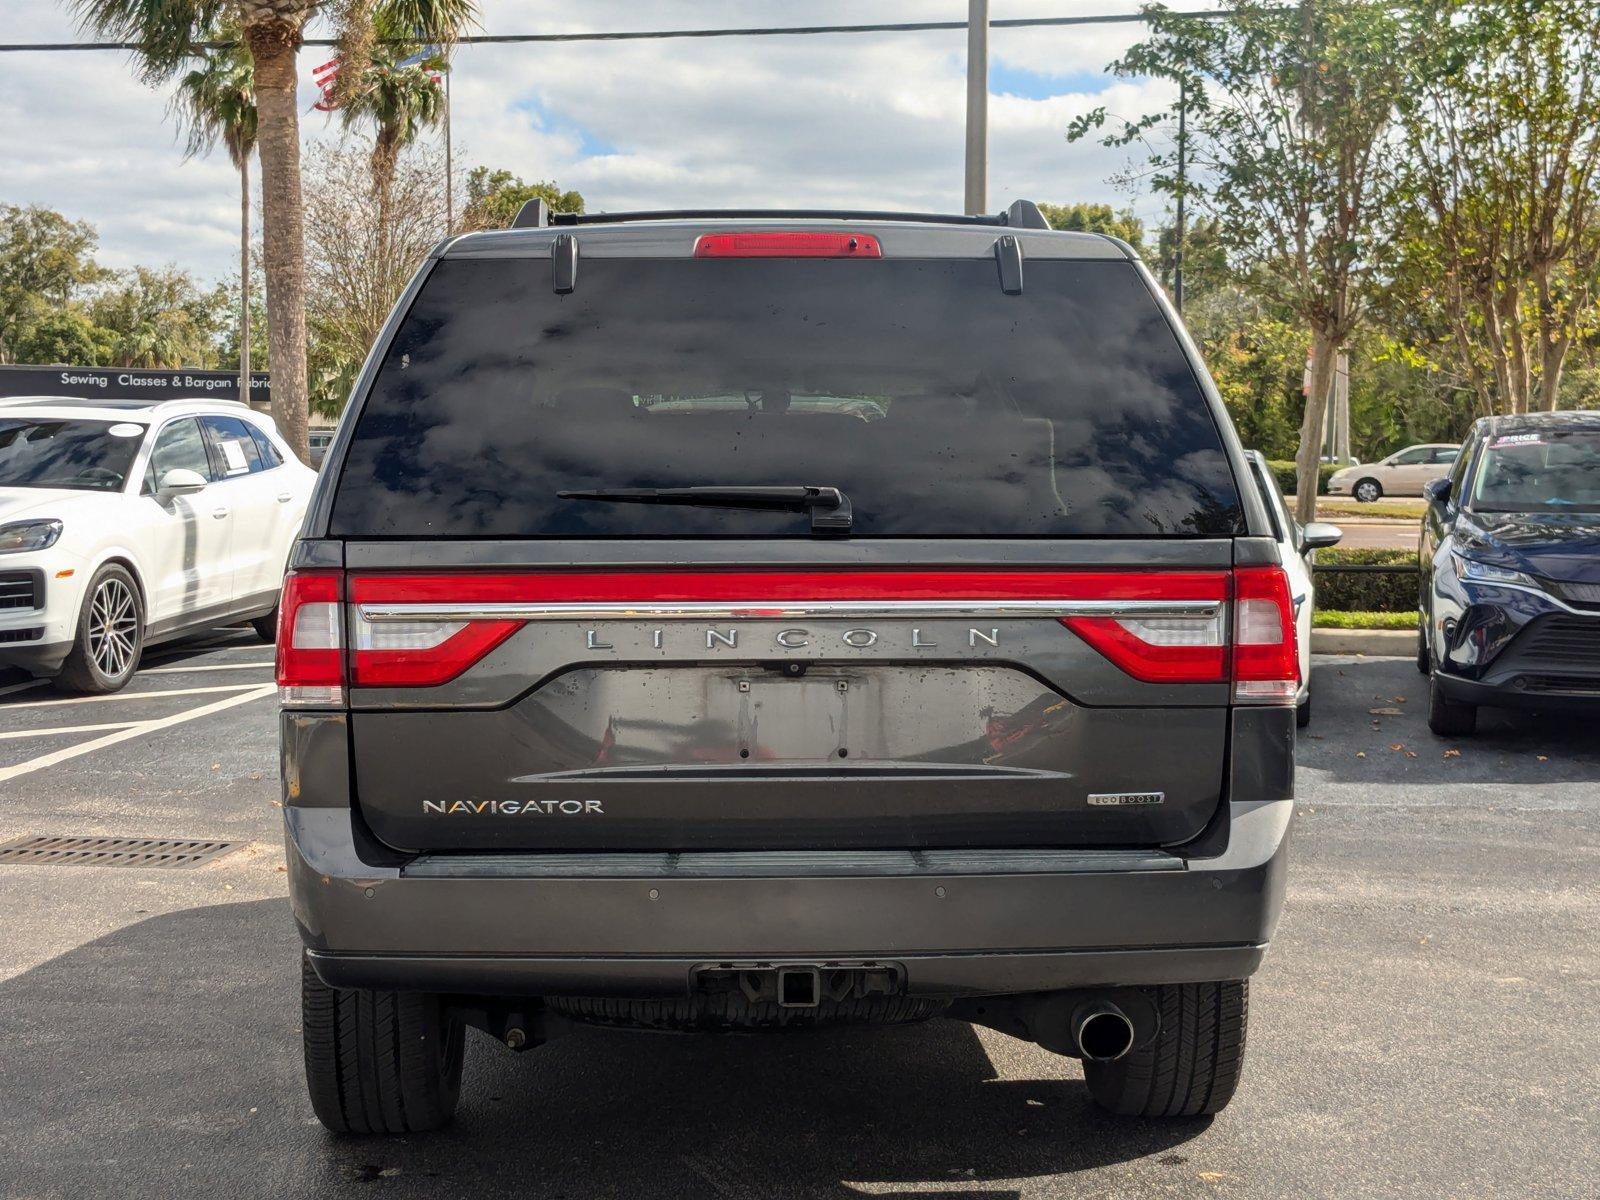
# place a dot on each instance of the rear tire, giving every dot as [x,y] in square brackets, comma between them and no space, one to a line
[266,627]
[376,1061]
[1191,1068]
[1447,717]
[110,635]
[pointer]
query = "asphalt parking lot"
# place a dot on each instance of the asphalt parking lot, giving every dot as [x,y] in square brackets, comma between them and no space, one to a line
[1424,1025]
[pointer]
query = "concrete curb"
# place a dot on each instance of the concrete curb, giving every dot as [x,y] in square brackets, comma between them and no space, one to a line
[1378,643]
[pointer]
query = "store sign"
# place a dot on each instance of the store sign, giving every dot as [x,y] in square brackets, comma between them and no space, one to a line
[127,383]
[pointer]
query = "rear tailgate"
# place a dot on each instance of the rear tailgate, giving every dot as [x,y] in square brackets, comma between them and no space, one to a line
[795,707]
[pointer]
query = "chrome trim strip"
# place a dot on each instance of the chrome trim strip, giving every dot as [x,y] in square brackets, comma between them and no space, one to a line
[788,610]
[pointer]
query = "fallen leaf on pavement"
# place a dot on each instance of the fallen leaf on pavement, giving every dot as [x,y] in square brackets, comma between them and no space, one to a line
[1361,753]
[1452,754]
[1387,712]
[1398,746]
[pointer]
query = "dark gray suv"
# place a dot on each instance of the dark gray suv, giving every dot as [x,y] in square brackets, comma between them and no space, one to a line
[714,621]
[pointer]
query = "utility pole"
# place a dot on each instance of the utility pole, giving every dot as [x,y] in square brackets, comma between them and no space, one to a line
[1183,187]
[449,163]
[977,197]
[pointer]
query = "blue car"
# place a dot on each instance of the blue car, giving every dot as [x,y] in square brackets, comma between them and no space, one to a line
[1510,555]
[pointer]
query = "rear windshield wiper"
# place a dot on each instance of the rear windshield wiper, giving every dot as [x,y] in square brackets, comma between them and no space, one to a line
[829,507]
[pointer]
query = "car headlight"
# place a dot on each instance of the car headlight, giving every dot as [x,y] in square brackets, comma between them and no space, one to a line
[1473,571]
[28,535]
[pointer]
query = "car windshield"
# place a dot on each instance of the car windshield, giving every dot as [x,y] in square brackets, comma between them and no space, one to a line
[58,452]
[1541,471]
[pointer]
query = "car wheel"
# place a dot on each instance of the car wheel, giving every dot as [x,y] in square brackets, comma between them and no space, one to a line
[1191,1067]
[1447,717]
[1368,490]
[377,1061]
[266,627]
[110,636]
[1302,712]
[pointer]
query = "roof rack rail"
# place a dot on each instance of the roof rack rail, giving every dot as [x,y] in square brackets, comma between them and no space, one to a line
[1023,214]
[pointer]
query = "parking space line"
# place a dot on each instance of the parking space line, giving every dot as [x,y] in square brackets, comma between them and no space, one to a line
[209,667]
[144,727]
[194,691]
[23,686]
[63,729]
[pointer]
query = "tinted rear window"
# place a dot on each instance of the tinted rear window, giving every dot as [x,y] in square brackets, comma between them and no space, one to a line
[940,405]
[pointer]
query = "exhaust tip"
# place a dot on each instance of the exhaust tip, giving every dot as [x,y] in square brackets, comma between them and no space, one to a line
[1103,1033]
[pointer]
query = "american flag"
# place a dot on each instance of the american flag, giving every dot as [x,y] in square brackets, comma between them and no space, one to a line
[326,75]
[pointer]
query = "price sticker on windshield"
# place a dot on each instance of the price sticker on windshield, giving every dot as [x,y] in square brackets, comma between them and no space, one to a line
[125,429]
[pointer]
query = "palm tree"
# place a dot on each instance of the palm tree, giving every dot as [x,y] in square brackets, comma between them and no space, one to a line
[217,102]
[399,101]
[166,31]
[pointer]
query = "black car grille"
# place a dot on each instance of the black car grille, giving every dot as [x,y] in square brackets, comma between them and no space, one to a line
[9,636]
[21,589]
[1560,642]
[1571,685]
[1574,593]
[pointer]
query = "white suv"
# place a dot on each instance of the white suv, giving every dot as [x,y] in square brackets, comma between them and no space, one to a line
[125,523]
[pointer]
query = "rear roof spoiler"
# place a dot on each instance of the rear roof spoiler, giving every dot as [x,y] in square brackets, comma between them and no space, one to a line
[536,214]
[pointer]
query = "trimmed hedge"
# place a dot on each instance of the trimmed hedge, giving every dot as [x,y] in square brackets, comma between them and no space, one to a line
[1330,619]
[1366,591]
[1288,482]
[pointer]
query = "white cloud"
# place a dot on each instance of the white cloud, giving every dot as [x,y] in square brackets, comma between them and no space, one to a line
[846,120]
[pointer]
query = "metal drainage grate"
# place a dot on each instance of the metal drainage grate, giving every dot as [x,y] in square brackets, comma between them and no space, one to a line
[113,851]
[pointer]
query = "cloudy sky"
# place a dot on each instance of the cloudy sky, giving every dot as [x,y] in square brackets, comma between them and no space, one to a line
[858,120]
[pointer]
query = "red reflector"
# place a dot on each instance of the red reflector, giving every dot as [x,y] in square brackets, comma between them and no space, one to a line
[310,651]
[794,244]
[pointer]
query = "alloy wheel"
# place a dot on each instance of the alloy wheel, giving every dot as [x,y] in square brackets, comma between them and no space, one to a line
[113,628]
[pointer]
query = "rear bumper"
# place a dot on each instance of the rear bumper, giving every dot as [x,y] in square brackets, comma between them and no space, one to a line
[515,931]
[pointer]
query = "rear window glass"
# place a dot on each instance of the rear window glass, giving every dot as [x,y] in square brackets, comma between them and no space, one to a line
[941,406]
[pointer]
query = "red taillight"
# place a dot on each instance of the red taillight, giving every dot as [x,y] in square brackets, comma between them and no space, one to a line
[424,652]
[310,658]
[1266,661]
[1161,649]
[422,630]
[791,244]
[1164,647]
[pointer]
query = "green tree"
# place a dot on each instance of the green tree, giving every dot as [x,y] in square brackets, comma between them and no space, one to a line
[165,32]
[159,318]
[216,102]
[46,260]
[494,196]
[398,102]
[1097,218]
[1290,113]
[1502,133]
[68,337]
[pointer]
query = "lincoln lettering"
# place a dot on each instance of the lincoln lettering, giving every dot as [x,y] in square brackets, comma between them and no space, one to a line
[729,637]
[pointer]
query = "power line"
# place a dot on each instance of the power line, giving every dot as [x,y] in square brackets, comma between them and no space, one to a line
[641,35]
